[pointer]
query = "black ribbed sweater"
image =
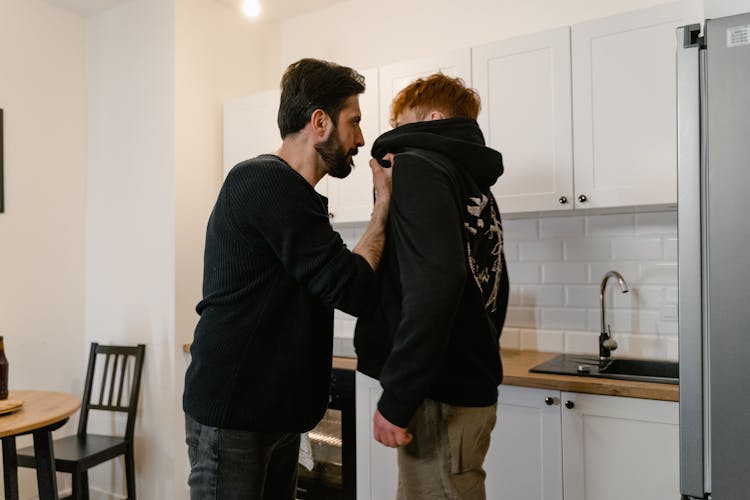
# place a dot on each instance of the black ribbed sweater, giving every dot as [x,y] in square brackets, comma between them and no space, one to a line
[274,269]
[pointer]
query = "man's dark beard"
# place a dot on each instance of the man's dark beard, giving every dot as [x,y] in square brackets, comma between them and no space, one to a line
[338,161]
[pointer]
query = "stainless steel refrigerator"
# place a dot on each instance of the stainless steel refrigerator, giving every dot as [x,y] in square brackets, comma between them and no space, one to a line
[714,258]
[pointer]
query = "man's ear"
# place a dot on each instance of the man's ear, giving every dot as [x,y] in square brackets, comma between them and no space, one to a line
[321,123]
[435,115]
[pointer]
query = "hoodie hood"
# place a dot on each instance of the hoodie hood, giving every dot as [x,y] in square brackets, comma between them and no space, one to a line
[460,139]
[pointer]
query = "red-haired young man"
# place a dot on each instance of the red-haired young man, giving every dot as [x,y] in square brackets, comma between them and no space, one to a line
[432,338]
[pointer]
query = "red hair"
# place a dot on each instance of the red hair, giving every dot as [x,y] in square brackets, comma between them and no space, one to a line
[437,92]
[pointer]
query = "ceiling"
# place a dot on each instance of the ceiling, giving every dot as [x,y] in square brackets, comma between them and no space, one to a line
[271,9]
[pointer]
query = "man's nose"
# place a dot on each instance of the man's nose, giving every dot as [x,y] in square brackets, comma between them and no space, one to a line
[360,139]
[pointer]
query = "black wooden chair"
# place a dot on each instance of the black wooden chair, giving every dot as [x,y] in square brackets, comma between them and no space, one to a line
[77,454]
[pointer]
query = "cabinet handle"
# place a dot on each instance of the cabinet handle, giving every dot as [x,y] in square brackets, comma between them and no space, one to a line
[549,401]
[583,198]
[563,200]
[570,405]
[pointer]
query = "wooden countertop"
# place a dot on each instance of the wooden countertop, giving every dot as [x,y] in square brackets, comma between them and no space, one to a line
[516,366]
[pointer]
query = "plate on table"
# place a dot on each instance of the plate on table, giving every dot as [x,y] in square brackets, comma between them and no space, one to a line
[9,405]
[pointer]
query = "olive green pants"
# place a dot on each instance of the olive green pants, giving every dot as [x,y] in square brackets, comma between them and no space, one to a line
[444,460]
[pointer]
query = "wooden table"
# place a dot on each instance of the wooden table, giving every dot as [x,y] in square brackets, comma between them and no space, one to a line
[41,413]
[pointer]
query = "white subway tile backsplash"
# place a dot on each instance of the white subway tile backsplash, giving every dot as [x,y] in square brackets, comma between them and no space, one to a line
[669,313]
[610,225]
[555,266]
[638,297]
[561,227]
[510,339]
[564,318]
[663,223]
[522,317]
[670,249]
[344,328]
[542,340]
[673,349]
[582,296]
[522,273]
[667,328]
[645,346]
[521,229]
[541,296]
[591,249]
[580,342]
[515,296]
[658,273]
[564,273]
[637,248]
[670,295]
[540,251]
[511,251]
[628,270]
[625,320]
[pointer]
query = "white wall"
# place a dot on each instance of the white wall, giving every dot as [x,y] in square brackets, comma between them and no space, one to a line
[130,222]
[43,95]
[218,56]
[721,8]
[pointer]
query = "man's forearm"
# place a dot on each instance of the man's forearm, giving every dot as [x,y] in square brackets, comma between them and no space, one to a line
[370,246]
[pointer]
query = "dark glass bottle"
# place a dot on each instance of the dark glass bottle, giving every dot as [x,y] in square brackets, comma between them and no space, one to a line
[3,371]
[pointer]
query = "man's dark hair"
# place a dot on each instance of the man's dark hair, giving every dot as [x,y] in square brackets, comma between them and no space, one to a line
[311,84]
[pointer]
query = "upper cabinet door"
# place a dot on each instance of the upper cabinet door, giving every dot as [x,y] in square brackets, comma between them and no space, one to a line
[624,108]
[394,77]
[250,127]
[350,199]
[524,84]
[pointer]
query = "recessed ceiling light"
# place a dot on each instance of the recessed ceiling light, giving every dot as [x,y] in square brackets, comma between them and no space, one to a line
[251,8]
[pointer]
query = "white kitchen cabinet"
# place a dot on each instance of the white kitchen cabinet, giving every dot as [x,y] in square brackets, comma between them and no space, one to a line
[614,143]
[618,448]
[250,127]
[525,456]
[394,77]
[350,199]
[377,469]
[624,107]
[551,445]
[524,84]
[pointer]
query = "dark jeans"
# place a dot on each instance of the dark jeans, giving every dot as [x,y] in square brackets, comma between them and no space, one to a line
[228,464]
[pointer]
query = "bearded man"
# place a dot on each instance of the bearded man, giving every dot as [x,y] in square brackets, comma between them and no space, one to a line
[274,270]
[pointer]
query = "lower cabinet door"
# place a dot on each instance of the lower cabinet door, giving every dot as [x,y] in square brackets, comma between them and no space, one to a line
[377,468]
[525,457]
[617,448]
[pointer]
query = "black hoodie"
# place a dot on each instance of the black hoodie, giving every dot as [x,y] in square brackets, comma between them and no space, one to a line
[434,328]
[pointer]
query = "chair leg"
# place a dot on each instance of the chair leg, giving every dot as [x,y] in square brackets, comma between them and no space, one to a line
[130,471]
[78,484]
[85,485]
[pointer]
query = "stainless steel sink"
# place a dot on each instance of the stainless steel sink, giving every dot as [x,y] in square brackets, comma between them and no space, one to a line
[644,370]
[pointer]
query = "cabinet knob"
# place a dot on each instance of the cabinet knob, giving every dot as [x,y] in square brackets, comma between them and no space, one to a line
[583,198]
[563,200]
[570,405]
[550,401]
[330,215]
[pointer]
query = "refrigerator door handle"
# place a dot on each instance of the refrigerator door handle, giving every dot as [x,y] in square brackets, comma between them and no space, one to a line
[689,253]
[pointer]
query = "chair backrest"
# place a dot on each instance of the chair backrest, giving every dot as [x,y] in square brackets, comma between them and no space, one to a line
[107,393]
